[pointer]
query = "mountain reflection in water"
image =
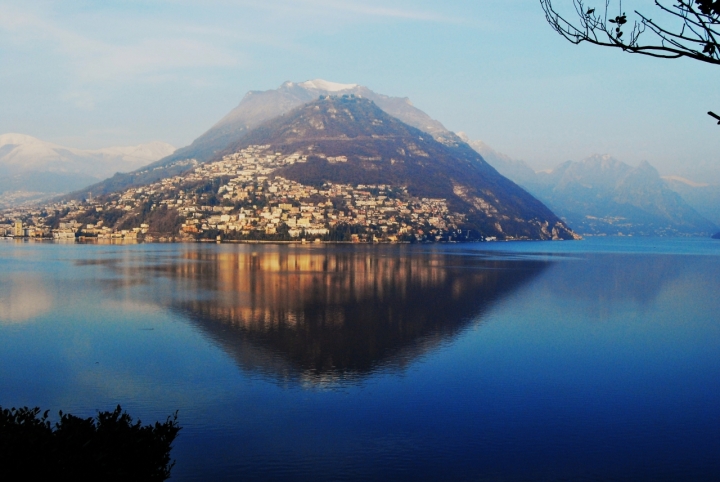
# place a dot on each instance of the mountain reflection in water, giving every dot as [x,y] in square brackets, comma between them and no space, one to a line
[23,297]
[336,314]
[596,360]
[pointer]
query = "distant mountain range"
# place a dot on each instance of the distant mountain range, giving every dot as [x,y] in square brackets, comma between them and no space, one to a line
[31,168]
[603,196]
[703,197]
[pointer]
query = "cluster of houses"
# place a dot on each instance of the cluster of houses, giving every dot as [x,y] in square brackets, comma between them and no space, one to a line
[242,197]
[13,225]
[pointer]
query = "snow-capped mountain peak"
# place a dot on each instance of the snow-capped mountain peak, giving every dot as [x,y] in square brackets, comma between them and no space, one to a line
[12,138]
[31,165]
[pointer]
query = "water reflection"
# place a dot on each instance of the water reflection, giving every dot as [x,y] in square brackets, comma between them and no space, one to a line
[324,315]
[596,366]
[605,279]
[22,298]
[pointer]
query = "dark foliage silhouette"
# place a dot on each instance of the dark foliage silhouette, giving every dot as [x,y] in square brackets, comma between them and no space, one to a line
[109,447]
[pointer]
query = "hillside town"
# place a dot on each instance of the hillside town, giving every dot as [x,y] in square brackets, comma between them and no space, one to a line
[241,198]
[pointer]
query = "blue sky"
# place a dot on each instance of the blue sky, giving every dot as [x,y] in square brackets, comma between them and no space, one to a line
[94,74]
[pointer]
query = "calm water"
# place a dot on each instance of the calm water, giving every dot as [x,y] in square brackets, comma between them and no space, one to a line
[592,360]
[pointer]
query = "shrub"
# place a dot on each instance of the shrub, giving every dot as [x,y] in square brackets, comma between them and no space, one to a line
[109,447]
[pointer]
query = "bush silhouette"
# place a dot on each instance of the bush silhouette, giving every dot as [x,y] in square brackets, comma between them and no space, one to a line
[109,447]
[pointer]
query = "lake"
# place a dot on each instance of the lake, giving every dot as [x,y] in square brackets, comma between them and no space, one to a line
[587,360]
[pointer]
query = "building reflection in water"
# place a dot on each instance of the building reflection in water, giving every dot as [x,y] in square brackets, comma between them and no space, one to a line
[336,314]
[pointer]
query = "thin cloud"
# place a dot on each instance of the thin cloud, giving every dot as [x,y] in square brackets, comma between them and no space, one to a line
[97,60]
[367,9]
[155,45]
[350,10]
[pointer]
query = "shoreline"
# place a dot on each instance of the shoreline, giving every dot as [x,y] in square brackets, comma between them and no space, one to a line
[118,241]
[224,241]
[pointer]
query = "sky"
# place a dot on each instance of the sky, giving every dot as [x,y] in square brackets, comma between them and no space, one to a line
[92,74]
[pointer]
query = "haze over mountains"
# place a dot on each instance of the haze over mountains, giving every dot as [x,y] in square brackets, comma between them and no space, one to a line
[257,107]
[31,168]
[597,196]
[260,106]
[625,207]
[350,140]
[703,197]
[603,196]
[310,159]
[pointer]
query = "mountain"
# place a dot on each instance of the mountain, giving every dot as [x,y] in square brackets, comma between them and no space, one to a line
[338,168]
[258,107]
[703,197]
[31,167]
[349,140]
[603,196]
[514,169]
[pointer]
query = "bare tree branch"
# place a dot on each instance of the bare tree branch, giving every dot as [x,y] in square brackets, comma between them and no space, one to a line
[695,37]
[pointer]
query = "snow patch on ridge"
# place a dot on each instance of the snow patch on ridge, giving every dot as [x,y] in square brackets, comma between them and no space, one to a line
[320,84]
[685,181]
[18,139]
